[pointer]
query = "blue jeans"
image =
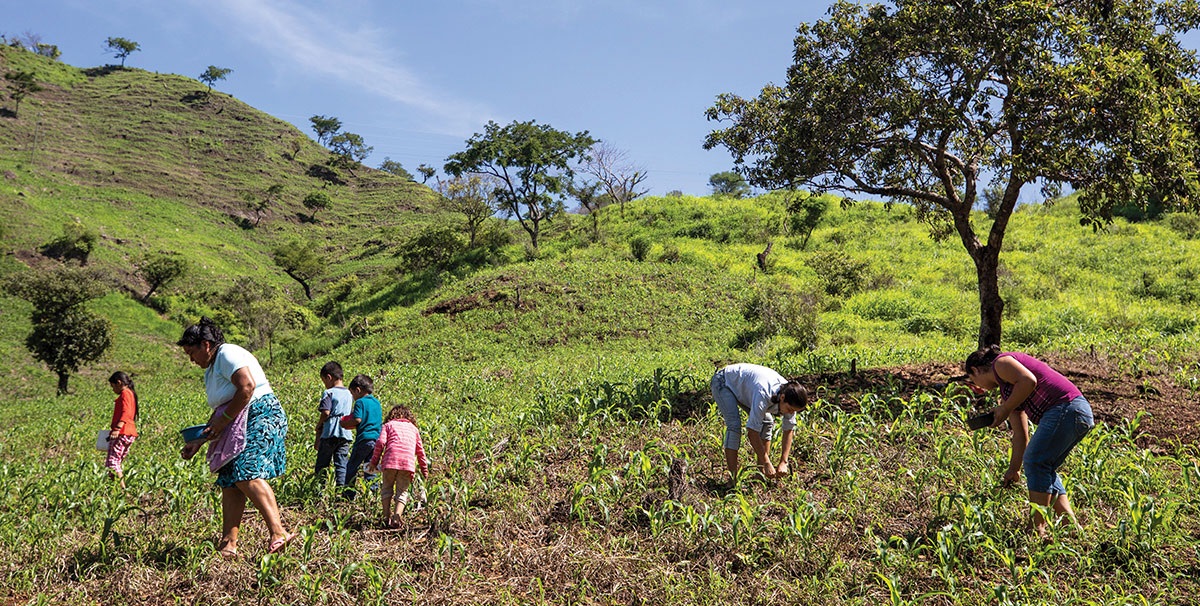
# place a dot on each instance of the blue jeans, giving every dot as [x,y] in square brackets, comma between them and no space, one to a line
[731,412]
[359,456]
[1058,431]
[336,451]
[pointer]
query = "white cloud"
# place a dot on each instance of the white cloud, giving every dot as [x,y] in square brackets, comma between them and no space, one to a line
[317,44]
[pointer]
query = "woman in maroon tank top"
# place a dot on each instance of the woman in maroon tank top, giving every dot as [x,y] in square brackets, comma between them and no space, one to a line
[1032,392]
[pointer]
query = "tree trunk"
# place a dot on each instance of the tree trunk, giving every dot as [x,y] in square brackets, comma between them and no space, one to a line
[62,383]
[991,306]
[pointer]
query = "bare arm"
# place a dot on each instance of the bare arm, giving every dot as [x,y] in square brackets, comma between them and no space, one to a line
[244,383]
[1011,371]
[762,451]
[1020,440]
[786,452]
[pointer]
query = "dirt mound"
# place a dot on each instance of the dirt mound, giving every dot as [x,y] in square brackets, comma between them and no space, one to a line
[1172,411]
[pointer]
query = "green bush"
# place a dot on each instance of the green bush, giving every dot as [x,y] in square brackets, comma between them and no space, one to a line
[639,247]
[776,309]
[76,243]
[670,254]
[839,274]
[1185,224]
[433,248]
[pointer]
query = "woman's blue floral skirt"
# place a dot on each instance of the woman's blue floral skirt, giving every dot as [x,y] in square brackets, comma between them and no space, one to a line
[264,457]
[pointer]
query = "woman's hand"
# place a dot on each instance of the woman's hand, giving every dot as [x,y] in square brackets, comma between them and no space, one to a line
[782,470]
[190,449]
[216,427]
[113,435]
[1011,477]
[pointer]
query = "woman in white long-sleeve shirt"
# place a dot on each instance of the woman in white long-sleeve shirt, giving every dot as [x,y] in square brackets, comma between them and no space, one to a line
[764,394]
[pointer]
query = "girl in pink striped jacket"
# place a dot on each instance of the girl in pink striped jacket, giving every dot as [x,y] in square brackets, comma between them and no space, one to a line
[399,452]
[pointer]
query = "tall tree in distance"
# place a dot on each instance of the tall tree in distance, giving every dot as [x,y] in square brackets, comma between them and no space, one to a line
[325,127]
[349,149]
[728,184]
[391,166]
[587,193]
[65,335]
[315,201]
[472,197]
[916,100]
[121,48]
[427,172]
[160,270]
[619,180]
[300,261]
[20,85]
[532,164]
[214,74]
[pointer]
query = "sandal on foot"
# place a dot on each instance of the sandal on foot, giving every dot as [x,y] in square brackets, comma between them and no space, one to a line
[277,545]
[227,552]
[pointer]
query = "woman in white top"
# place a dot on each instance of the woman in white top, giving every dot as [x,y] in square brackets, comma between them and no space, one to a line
[764,394]
[246,431]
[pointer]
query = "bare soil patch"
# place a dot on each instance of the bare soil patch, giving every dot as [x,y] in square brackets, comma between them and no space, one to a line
[1172,411]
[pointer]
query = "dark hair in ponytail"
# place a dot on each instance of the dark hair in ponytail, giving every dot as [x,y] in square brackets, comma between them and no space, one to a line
[206,330]
[126,380]
[982,358]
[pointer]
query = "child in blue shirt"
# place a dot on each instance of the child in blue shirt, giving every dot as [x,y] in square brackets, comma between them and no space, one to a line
[333,440]
[366,419]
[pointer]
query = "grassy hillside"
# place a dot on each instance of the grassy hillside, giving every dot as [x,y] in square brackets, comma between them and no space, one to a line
[556,390]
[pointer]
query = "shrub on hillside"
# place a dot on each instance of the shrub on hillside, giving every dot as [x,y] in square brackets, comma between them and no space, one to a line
[777,309]
[839,274]
[670,254]
[639,247]
[76,243]
[1185,224]
[433,248]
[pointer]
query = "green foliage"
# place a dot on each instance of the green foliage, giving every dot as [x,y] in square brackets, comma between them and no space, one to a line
[214,74]
[301,261]
[65,334]
[729,183]
[160,270]
[1023,92]
[325,127]
[121,48]
[349,149]
[76,243]
[1186,224]
[433,248]
[774,309]
[391,166]
[473,197]
[639,247]
[840,274]
[20,85]
[804,214]
[531,162]
[315,201]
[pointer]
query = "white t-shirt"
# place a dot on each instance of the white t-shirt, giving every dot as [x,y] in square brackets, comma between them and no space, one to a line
[218,376]
[753,385]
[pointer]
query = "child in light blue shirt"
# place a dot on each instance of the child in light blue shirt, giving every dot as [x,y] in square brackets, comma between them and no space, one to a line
[333,440]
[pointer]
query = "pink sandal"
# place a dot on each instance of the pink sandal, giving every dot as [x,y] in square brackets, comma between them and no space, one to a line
[279,544]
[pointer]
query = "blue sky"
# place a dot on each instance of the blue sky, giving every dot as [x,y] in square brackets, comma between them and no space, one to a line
[416,79]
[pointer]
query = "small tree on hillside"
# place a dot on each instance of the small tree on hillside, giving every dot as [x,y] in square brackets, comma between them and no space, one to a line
[300,261]
[160,270]
[804,214]
[729,184]
[75,244]
[349,149]
[121,48]
[619,180]
[325,127]
[427,172]
[314,201]
[532,164]
[65,334]
[587,193]
[20,85]
[214,74]
[472,197]
[391,166]
[260,203]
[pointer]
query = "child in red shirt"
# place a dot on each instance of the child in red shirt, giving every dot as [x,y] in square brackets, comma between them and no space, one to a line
[124,428]
[399,452]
